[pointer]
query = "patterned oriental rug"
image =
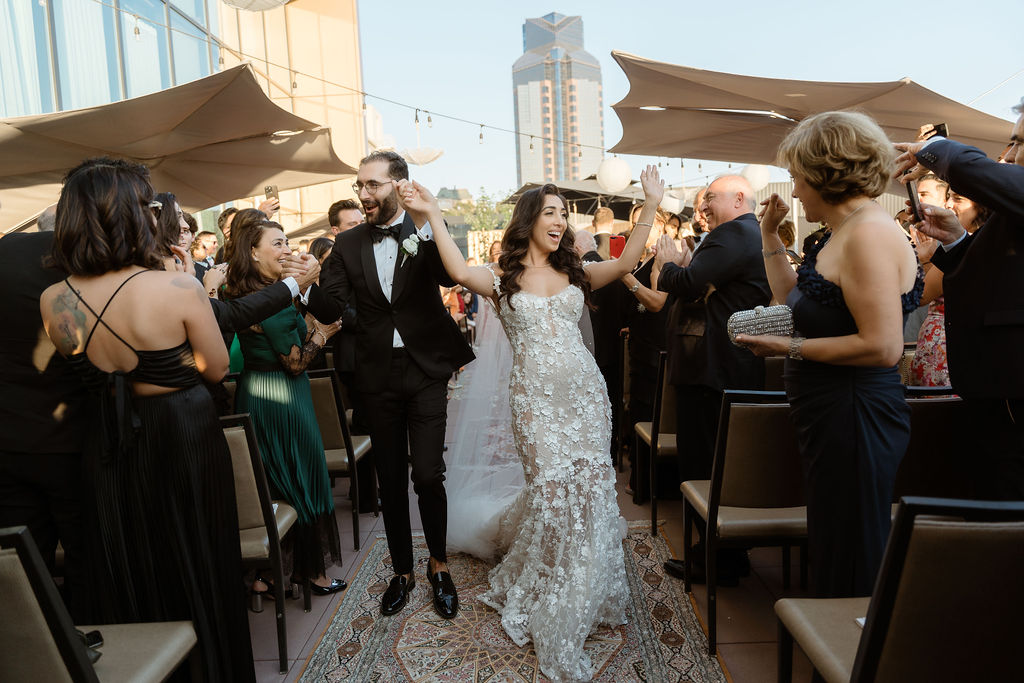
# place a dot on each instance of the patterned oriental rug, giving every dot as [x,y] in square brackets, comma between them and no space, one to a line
[661,642]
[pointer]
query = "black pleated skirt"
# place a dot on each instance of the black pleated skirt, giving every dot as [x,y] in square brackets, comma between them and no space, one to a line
[163,544]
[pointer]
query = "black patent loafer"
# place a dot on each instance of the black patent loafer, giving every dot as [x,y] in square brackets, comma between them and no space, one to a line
[446,599]
[396,595]
[337,585]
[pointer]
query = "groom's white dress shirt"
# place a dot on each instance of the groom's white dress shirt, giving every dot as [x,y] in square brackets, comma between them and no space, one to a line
[385,254]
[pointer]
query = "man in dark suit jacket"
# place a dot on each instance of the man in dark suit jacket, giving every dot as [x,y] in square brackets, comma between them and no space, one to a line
[727,272]
[983,286]
[42,421]
[407,346]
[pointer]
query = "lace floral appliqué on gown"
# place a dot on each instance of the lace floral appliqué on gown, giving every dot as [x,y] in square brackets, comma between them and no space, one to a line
[562,573]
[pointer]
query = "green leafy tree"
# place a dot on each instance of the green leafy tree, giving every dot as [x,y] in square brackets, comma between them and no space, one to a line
[485,212]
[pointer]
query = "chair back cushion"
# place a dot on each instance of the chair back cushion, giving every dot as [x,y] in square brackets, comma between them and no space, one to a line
[957,611]
[762,461]
[247,497]
[326,412]
[231,386]
[28,651]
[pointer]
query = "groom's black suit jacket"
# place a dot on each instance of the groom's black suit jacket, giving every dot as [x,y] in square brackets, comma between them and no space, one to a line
[349,284]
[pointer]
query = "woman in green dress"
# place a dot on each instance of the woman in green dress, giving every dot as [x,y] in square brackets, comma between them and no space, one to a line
[274,389]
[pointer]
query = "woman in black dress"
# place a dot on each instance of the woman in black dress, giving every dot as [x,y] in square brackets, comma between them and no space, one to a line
[159,489]
[849,300]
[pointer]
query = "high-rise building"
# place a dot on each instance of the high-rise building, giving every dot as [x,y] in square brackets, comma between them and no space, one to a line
[68,54]
[556,91]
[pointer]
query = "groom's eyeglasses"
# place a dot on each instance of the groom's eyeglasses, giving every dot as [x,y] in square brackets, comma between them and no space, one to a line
[371,186]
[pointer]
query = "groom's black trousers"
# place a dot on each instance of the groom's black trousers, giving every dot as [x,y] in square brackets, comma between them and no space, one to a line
[415,405]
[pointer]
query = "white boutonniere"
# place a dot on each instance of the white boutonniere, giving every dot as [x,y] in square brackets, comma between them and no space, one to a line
[411,245]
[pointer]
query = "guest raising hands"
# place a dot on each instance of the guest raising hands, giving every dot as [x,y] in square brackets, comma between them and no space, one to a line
[849,299]
[274,389]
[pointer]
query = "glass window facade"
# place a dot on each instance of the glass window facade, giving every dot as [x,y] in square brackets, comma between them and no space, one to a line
[191,52]
[26,75]
[85,38]
[68,54]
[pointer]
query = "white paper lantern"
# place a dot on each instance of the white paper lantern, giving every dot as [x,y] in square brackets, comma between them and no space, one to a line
[420,156]
[255,5]
[757,175]
[614,175]
[671,204]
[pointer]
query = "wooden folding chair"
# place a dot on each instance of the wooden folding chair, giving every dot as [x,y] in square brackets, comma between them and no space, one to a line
[38,640]
[261,522]
[342,450]
[945,608]
[755,496]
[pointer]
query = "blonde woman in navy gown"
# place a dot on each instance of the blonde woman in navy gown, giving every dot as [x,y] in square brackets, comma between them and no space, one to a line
[849,299]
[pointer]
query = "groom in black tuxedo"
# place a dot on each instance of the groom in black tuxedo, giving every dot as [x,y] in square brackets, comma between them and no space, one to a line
[382,278]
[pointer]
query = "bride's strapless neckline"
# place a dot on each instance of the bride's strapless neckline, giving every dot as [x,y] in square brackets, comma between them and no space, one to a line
[563,290]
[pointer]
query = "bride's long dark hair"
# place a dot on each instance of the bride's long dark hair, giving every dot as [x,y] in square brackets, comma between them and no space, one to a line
[516,240]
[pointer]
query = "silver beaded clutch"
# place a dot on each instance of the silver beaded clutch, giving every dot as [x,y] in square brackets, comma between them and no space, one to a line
[761,320]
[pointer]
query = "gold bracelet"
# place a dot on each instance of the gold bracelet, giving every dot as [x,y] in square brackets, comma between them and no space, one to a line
[781,251]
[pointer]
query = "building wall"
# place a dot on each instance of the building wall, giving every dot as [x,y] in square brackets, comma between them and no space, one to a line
[315,37]
[57,55]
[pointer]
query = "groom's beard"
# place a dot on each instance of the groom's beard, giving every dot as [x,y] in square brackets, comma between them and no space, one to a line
[387,209]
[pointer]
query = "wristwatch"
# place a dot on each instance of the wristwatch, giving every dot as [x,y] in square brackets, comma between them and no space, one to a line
[634,288]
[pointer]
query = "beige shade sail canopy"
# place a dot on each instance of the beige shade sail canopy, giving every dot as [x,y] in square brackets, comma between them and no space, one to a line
[680,111]
[587,196]
[318,227]
[210,141]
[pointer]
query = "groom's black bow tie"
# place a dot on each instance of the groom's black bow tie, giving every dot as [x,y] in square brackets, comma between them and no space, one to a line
[377,233]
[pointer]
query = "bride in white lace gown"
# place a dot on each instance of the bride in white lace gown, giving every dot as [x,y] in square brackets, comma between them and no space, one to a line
[561,573]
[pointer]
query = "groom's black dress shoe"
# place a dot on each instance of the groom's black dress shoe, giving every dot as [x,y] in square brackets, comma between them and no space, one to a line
[446,599]
[396,595]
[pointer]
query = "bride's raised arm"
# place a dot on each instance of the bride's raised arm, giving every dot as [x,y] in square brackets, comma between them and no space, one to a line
[605,272]
[422,206]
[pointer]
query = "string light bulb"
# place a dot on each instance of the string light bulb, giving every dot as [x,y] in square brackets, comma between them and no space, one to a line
[136,31]
[531,143]
[579,150]
[294,82]
[481,133]
[430,121]
[417,117]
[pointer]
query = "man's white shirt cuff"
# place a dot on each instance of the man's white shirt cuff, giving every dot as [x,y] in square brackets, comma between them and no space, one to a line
[958,240]
[426,233]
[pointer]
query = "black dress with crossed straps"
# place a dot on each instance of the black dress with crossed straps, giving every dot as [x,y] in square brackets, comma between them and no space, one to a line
[162,541]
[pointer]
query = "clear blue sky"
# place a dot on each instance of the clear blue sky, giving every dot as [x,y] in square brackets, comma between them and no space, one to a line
[456,57]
